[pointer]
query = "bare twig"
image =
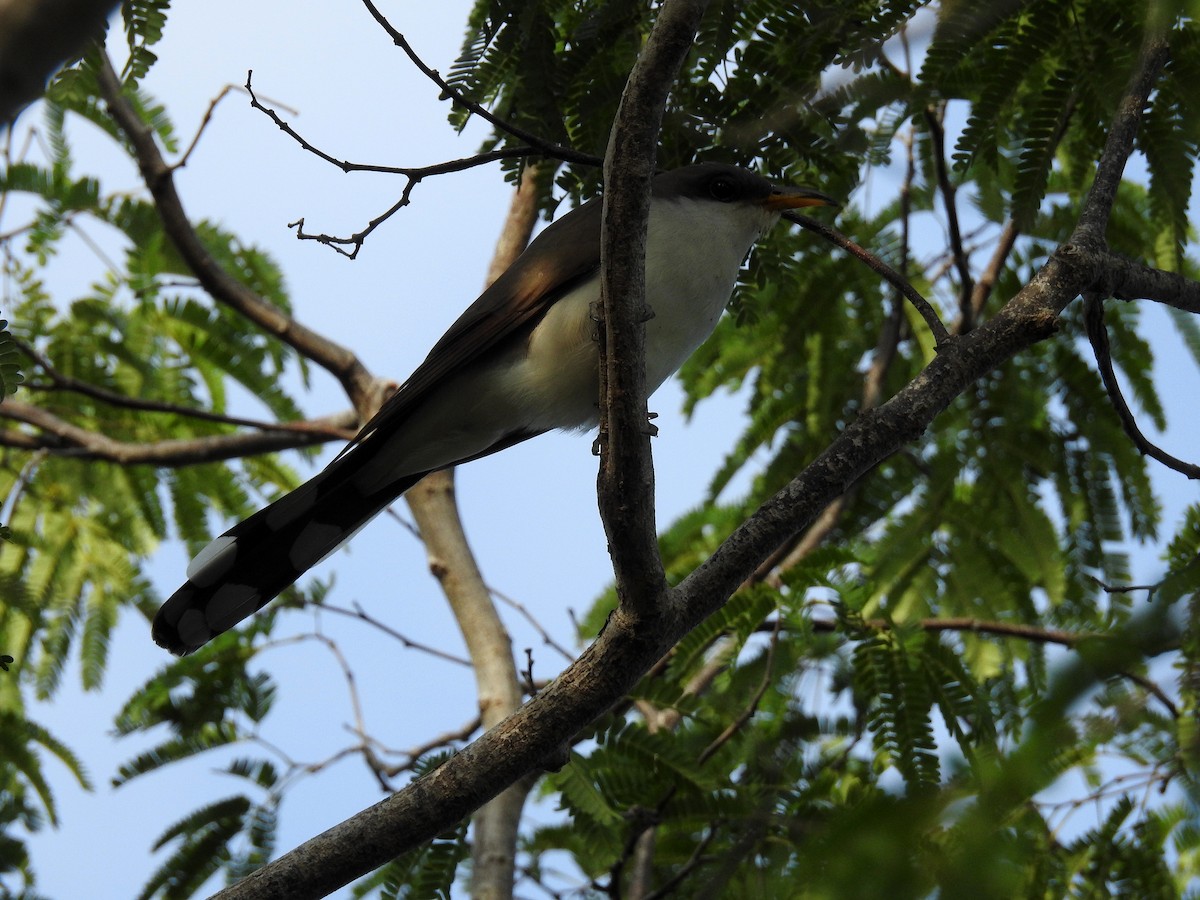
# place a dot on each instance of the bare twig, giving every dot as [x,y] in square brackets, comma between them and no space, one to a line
[949,199]
[544,147]
[446,739]
[524,612]
[8,506]
[668,887]
[59,381]
[409,644]
[414,174]
[745,715]
[1120,588]
[991,273]
[940,335]
[1031,633]
[208,114]
[1015,630]
[62,438]
[1093,317]
[358,383]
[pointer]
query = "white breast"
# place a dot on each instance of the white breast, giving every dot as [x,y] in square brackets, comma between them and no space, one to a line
[694,250]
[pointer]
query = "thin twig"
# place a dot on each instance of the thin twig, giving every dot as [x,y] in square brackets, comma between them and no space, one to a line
[733,727]
[543,146]
[949,199]
[59,381]
[832,235]
[1154,690]
[445,739]
[547,639]
[963,623]
[1120,588]
[415,173]
[697,857]
[991,273]
[8,507]
[362,615]
[221,285]
[208,114]
[63,438]
[1093,318]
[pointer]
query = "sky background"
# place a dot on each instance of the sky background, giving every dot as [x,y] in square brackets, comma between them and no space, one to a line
[530,512]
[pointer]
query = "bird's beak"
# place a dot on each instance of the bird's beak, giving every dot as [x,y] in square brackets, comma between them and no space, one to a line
[787,197]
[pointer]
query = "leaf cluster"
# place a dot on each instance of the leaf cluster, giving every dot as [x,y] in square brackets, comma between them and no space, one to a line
[890,714]
[1015,508]
[76,536]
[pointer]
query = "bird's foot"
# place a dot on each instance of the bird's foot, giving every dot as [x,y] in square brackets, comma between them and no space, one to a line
[651,428]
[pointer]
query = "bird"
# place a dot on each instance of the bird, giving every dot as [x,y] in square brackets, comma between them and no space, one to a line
[523,359]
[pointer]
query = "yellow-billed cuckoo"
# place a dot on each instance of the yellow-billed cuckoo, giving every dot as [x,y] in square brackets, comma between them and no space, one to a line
[520,361]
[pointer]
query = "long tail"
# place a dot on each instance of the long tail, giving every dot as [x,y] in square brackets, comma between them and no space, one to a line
[250,564]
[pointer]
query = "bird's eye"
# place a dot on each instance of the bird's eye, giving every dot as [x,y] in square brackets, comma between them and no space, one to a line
[721,189]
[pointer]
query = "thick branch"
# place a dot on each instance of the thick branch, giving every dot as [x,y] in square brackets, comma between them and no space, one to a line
[1129,279]
[626,480]
[1098,206]
[221,285]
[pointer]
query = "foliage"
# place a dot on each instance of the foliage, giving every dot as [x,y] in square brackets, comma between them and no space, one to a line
[898,712]
[77,536]
[1015,508]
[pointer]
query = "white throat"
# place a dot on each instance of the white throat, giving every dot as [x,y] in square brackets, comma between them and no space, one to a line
[694,250]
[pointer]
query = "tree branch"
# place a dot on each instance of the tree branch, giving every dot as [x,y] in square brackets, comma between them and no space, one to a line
[949,199]
[59,381]
[546,148]
[497,683]
[1129,279]
[625,485]
[1097,208]
[62,438]
[1093,318]
[940,335]
[987,280]
[414,174]
[406,642]
[358,383]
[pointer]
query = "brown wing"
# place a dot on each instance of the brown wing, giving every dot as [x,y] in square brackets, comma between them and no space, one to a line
[514,302]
